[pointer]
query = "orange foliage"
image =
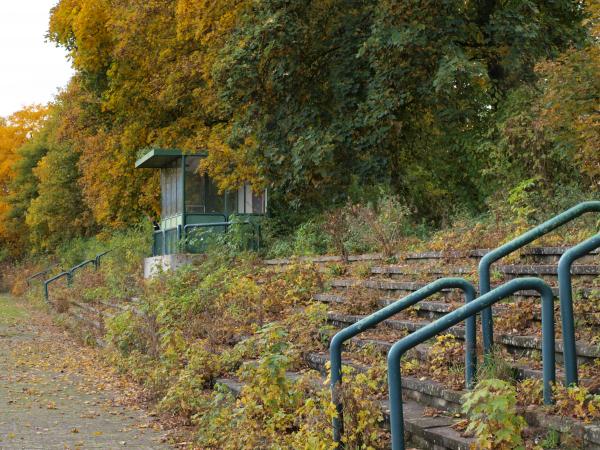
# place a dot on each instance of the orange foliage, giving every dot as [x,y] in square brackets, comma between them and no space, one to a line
[14,132]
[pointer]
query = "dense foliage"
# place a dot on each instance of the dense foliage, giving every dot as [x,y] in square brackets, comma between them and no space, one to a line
[446,105]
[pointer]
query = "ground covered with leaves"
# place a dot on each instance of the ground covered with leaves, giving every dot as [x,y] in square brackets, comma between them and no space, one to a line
[56,394]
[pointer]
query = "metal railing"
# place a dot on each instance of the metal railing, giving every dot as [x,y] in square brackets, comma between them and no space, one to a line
[30,278]
[81,265]
[335,347]
[71,272]
[489,258]
[169,240]
[565,294]
[458,315]
[52,280]
[255,242]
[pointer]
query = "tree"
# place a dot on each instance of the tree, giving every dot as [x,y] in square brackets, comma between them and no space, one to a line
[15,131]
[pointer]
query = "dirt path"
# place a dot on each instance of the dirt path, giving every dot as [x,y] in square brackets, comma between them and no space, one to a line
[55,394]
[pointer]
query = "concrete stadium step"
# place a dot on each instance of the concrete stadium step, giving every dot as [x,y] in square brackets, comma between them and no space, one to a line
[520,369]
[588,272]
[399,289]
[533,254]
[549,255]
[429,433]
[432,310]
[513,343]
[425,309]
[548,271]
[324,259]
[394,271]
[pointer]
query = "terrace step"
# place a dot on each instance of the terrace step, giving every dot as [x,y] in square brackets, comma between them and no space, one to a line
[393,287]
[520,370]
[431,433]
[436,433]
[512,342]
[550,271]
[546,269]
[447,254]
[425,309]
[553,254]
[433,394]
[431,270]
[323,259]
[541,254]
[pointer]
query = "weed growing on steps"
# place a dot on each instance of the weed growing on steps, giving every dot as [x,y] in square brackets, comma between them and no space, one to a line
[445,361]
[495,366]
[576,402]
[530,392]
[492,412]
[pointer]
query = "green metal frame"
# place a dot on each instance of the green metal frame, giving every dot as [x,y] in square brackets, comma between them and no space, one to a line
[164,240]
[71,272]
[29,279]
[81,265]
[226,225]
[488,259]
[335,347]
[52,280]
[565,293]
[100,256]
[458,315]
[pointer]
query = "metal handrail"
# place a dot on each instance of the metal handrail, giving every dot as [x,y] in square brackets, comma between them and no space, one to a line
[99,257]
[565,293]
[335,347]
[505,249]
[164,240]
[29,279]
[53,279]
[69,273]
[225,224]
[81,265]
[458,315]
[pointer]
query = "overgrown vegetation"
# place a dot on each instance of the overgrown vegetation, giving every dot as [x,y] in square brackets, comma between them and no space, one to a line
[493,418]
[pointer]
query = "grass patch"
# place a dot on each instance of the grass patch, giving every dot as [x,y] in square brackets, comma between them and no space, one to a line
[10,311]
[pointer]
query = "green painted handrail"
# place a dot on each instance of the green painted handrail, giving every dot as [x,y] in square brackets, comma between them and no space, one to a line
[99,257]
[489,258]
[458,315]
[335,347]
[70,273]
[226,225]
[52,280]
[29,279]
[565,293]
[81,265]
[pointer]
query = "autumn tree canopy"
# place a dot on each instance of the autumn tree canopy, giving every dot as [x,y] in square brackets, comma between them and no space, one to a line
[444,103]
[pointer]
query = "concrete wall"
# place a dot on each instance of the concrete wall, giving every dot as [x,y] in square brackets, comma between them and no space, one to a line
[158,264]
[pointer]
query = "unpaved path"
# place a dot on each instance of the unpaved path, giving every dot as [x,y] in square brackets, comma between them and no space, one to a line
[55,394]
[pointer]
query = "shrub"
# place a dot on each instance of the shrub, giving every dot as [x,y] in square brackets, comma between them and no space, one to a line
[577,402]
[492,413]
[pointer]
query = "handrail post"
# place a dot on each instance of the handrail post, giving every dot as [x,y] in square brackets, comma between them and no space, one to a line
[335,346]
[164,242]
[457,316]
[51,280]
[505,249]
[565,293]
[179,234]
